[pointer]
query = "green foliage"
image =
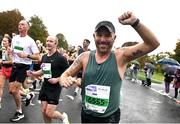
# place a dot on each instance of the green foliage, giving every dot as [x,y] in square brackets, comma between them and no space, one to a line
[38,30]
[142,60]
[9,21]
[177,51]
[62,41]
[156,78]
[163,55]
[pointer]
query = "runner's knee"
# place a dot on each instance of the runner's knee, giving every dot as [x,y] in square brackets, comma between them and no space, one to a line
[14,88]
[49,113]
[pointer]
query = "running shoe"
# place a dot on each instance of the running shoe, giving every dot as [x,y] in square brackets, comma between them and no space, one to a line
[17,116]
[65,119]
[29,100]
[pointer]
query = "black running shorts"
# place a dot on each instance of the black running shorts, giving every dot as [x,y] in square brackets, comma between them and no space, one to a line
[50,93]
[18,72]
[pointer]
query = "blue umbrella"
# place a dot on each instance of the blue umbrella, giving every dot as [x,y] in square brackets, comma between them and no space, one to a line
[168,61]
[170,69]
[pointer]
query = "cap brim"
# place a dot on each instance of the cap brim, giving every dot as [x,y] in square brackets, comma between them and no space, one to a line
[107,27]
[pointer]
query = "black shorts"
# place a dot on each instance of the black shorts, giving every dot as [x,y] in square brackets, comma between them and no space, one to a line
[114,118]
[19,72]
[37,67]
[50,93]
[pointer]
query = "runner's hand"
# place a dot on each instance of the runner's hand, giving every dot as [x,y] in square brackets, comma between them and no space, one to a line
[9,50]
[67,82]
[22,55]
[53,80]
[29,73]
[128,18]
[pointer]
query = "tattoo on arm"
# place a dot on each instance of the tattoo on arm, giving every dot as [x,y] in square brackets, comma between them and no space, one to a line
[137,53]
[77,65]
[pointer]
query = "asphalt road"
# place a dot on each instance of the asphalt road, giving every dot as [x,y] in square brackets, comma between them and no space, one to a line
[138,105]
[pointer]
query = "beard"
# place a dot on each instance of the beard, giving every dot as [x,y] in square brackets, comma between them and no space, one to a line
[104,43]
[104,47]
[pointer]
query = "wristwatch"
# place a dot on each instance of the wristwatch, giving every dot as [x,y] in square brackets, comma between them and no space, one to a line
[28,56]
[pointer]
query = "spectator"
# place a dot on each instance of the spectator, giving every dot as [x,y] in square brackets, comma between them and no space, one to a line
[168,78]
[176,84]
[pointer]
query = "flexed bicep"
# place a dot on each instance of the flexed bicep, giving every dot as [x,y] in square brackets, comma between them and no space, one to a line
[134,52]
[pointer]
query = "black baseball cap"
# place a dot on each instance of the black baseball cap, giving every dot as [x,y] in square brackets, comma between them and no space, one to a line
[106,24]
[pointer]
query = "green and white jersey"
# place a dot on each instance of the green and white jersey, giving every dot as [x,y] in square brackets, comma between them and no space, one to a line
[23,44]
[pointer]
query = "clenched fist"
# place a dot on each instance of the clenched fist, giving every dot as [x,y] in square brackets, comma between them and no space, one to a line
[128,18]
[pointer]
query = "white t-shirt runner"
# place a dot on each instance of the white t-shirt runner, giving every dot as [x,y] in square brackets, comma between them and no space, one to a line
[23,44]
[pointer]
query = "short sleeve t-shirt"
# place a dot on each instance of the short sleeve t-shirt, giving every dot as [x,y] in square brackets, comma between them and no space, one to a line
[23,44]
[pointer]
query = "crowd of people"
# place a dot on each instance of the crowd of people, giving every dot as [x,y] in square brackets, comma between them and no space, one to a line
[169,78]
[88,69]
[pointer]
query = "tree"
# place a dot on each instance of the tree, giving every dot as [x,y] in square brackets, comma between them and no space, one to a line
[38,30]
[163,55]
[62,41]
[176,56]
[9,21]
[142,60]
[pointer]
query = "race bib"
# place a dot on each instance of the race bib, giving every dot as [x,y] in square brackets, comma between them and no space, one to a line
[97,98]
[46,67]
[18,49]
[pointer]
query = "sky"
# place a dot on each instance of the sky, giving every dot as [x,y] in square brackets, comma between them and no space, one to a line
[76,19]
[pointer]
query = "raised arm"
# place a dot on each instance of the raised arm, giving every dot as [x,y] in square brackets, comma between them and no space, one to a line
[150,41]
